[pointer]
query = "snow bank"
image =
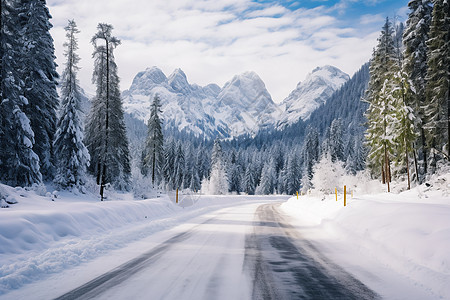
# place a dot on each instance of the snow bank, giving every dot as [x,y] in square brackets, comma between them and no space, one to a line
[408,233]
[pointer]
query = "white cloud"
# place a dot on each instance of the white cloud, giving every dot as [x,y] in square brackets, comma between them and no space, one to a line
[212,40]
[370,19]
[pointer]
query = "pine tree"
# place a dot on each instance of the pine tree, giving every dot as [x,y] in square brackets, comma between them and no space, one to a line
[153,155]
[40,79]
[415,65]
[169,164]
[268,178]
[336,141]
[71,153]
[195,181]
[350,164]
[235,174]
[218,182]
[310,155]
[19,164]
[437,120]
[404,131]
[293,174]
[106,134]
[249,181]
[360,154]
[381,107]
[179,167]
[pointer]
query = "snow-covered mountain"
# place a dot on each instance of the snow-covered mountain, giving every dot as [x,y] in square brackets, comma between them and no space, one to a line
[245,104]
[242,106]
[183,104]
[317,88]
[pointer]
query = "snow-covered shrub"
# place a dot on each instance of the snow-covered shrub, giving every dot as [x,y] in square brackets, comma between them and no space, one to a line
[141,185]
[205,186]
[3,203]
[40,189]
[328,176]
[218,183]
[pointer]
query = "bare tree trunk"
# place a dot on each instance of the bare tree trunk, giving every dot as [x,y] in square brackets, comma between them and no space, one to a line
[407,165]
[416,167]
[387,169]
[153,167]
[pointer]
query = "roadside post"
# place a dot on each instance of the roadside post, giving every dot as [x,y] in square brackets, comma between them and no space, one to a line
[177,196]
[335,191]
[297,194]
[345,195]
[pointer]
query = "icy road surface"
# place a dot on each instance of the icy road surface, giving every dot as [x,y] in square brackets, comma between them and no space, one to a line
[243,252]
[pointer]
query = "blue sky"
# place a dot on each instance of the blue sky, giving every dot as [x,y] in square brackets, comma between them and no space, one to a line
[212,40]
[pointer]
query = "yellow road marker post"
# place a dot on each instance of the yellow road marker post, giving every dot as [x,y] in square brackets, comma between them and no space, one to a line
[345,195]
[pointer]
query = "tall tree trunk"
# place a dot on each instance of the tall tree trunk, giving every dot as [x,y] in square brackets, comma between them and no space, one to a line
[153,167]
[407,165]
[425,155]
[416,167]
[387,170]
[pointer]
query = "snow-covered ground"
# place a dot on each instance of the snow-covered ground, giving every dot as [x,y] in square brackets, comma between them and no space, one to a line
[397,244]
[45,239]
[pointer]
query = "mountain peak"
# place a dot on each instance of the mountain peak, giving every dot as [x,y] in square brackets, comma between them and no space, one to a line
[148,78]
[178,72]
[178,81]
[315,90]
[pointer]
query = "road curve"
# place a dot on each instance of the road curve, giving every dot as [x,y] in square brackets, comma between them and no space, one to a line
[283,265]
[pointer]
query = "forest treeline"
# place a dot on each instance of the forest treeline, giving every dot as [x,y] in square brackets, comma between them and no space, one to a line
[391,118]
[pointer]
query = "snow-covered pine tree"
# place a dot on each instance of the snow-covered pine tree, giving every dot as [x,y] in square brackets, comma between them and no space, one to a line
[195,181]
[189,165]
[19,164]
[293,174]
[380,113]
[71,153]
[336,141]
[404,132]
[437,114]
[169,164]
[310,155]
[249,180]
[235,174]
[360,153]
[350,150]
[268,179]
[415,65]
[399,30]
[218,181]
[153,155]
[105,132]
[179,167]
[40,77]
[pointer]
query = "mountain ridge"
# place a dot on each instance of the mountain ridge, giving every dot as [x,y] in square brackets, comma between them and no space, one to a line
[242,106]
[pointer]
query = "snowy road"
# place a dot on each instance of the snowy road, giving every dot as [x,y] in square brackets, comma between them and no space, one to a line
[243,252]
[284,265]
